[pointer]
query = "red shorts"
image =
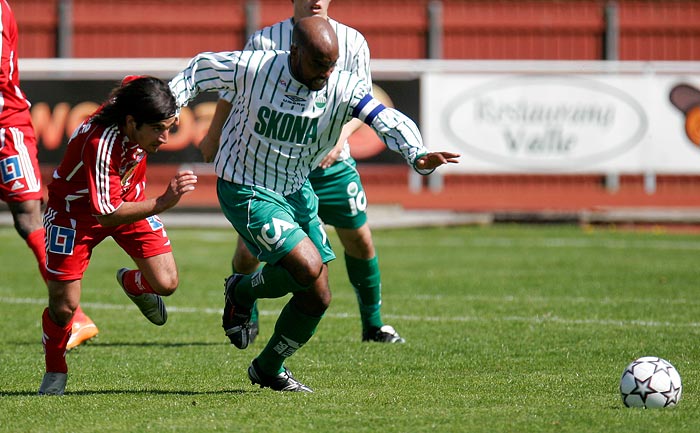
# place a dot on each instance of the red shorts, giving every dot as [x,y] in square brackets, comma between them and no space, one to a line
[69,244]
[20,178]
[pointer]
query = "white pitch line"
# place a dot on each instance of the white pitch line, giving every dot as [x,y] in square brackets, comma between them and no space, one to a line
[506,242]
[652,244]
[548,319]
[556,300]
[408,318]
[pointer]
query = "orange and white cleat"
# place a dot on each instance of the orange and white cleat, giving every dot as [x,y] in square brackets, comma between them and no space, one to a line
[83,329]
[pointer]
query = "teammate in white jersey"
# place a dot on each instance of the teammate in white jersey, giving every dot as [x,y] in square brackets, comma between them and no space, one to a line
[290,108]
[336,182]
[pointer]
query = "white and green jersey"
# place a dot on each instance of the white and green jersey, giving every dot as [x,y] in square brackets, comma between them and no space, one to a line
[279,129]
[353,52]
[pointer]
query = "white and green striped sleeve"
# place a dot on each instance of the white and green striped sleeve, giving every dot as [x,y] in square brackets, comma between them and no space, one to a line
[363,62]
[208,72]
[275,37]
[360,61]
[394,128]
[263,39]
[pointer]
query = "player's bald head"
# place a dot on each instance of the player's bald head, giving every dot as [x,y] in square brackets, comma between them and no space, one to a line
[314,52]
[316,35]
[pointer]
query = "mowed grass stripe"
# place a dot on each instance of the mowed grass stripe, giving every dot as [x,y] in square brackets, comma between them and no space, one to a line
[583,242]
[389,316]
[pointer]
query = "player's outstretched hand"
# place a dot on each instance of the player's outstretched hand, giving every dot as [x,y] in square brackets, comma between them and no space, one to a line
[433,160]
[182,183]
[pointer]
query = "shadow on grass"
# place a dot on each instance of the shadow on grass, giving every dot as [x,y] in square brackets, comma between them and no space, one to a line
[152,344]
[132,392]
[98,344]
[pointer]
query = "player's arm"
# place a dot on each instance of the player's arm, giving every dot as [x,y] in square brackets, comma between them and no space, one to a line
[400,134]
[5,53]
[209,72]
[210,143]
[129,212]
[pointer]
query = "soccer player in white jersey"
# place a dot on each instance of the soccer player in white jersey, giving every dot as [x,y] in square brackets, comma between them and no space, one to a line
[289,110]
[336,182]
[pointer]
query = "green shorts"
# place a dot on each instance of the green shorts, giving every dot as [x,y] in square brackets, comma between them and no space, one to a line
[342,199]
[271,224]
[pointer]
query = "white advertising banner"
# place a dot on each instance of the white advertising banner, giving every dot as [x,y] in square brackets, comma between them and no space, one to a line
[562,123]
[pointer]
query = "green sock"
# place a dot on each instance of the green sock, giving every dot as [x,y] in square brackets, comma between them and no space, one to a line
[365,278]
[292,330]
[271,281]
[254,313]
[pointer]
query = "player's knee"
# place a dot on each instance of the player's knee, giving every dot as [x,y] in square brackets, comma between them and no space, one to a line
[23,231]
[304,265]
[308,273]
[166,284]
[358,242]
[314,302]
[362,248]
[25,224]
[62,313]
[317,308]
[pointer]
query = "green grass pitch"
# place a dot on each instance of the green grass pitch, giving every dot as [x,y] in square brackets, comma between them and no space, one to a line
[509,328]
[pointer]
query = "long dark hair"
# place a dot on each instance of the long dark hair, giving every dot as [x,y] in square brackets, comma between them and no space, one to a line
[147,99]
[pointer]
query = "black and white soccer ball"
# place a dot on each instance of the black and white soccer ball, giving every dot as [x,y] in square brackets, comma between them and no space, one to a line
[650,382]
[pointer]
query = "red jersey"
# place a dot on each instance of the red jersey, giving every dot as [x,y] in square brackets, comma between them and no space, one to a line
[14,107]
[100,170]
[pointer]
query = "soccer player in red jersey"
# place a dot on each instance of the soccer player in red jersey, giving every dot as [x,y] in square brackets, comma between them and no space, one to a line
[20,178]
[98,191]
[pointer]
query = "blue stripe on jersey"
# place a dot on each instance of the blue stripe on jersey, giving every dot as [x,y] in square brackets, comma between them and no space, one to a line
[367,109]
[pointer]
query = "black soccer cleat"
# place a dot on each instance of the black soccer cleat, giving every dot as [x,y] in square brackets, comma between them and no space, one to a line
[281,382]
[254,329]
[236,317]
[254,324]
[385,334]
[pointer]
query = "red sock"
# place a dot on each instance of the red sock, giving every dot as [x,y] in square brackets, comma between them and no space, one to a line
[135,284]
[36,243]
[55,339]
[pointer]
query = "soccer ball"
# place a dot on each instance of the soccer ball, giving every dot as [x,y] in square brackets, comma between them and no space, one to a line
[650,382]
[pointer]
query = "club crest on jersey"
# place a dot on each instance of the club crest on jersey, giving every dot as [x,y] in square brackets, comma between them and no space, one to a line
[321,101]
[127,170]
